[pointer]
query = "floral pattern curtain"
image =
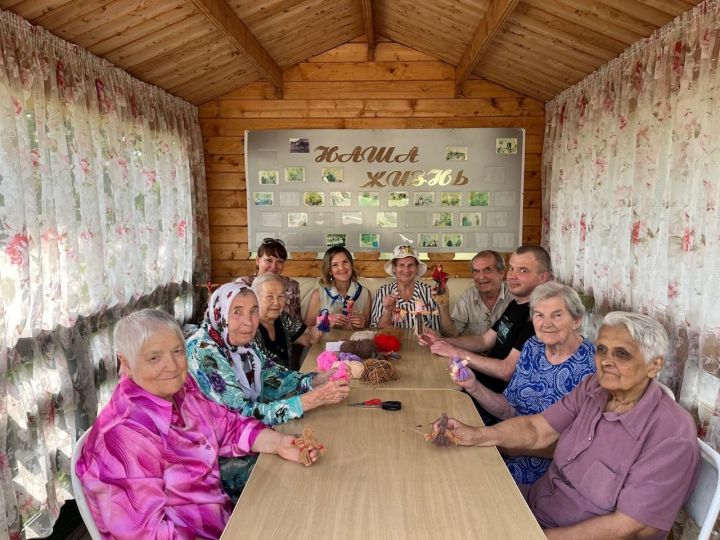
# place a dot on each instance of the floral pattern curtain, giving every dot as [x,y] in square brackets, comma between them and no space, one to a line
[102,211]
[631,170]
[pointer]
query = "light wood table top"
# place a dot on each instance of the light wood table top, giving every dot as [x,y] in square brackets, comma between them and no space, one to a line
[416,368]
[381,479]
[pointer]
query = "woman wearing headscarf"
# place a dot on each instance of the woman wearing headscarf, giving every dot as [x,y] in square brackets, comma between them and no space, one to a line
[229,370]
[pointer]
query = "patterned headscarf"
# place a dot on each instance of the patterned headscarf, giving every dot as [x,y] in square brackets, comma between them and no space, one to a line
[244,360]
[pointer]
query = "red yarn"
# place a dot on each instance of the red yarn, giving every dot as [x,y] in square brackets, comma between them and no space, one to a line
[387,343]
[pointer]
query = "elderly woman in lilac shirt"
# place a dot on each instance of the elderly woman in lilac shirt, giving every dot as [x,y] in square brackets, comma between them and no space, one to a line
[149,467]
[626,456]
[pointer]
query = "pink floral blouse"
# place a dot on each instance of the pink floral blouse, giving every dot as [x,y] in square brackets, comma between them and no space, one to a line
[149,467]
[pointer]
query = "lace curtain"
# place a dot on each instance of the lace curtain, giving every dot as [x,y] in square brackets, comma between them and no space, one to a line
[631,170]
[102,211]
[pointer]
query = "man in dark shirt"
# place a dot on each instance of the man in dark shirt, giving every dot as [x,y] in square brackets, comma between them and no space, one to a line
[494,354]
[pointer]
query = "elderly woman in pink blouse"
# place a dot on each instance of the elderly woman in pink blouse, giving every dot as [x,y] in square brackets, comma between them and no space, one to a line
[149,467]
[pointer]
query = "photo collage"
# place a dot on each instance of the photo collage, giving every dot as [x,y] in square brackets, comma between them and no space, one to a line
[318,205]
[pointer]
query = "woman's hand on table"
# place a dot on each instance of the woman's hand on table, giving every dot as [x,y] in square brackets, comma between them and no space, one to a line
[287,450]
[443,348]
[327,393]
[464,434]
[428,337]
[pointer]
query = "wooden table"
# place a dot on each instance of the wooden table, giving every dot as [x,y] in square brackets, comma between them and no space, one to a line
[381,479]
[417,367]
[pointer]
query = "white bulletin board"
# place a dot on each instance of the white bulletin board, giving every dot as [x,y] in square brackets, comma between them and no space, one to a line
[370,190]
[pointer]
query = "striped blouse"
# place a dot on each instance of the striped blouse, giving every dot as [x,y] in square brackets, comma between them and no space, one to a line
[404,316]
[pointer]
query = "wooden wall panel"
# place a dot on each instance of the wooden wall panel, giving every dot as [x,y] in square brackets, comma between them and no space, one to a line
[402,88]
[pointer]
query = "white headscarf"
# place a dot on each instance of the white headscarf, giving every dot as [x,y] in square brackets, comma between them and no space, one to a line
[242,359]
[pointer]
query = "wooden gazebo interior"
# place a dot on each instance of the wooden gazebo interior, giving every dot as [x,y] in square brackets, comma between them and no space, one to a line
[286,64]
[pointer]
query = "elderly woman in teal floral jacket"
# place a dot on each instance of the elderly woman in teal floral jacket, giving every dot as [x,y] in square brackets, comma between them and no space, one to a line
[229,370]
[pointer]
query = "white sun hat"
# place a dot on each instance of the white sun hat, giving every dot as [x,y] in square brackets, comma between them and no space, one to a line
[400,252]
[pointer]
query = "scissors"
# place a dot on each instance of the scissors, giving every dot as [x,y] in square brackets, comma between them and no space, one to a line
[377,403]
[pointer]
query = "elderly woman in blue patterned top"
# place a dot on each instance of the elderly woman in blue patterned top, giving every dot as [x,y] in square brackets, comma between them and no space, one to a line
[551,364]
[406,299]
[231,371]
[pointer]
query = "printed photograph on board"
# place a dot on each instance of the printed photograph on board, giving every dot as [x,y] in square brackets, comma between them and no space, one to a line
[268,178]
[299,146]
[332,175]
[471,219]
[263,198]
[451,198]
[452,240]
[398,198]
[289,198]
[386,219]
[340,198]
[428,240]
[314,198]
[368,198]
[478,198]
[297,219]
[370,240]
[456,153]
[424,198]
[294,174]
[351,218]
[442,219]
[334,239]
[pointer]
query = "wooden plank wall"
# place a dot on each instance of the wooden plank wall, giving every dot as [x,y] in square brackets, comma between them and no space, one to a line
[401,88]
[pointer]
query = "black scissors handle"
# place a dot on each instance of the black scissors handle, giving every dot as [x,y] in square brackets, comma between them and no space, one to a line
[391,405]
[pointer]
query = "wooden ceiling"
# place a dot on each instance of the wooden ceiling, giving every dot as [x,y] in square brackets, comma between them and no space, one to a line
[202,49]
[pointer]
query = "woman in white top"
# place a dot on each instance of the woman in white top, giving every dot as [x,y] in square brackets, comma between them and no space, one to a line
[339,292]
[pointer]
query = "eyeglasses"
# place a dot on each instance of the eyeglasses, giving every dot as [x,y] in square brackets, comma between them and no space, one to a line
[407,250]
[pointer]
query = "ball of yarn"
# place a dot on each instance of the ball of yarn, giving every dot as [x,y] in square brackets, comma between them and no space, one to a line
[354,370]
[326,359]
[349,357]
[387,343]
[378,371]
[362,334]
[364,348]
[342,372]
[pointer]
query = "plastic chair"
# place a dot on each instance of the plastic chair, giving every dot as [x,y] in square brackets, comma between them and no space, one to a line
[703,504]
[79,493]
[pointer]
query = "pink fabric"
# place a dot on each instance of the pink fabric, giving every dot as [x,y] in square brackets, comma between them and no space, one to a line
[326,359]
[150,469]
[341,373]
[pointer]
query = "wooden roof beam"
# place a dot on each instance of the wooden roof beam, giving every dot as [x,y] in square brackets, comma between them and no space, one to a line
[497,13]
[369,31]
[227,21]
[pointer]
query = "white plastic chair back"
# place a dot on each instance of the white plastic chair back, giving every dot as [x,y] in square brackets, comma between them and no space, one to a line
[703,504]
[667,390]
[79,493]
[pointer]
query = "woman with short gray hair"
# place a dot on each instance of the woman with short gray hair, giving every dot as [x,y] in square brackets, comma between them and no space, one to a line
[626,455]
[149,466]
[278,330]
[551,364]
